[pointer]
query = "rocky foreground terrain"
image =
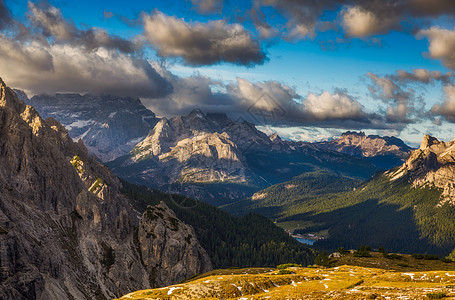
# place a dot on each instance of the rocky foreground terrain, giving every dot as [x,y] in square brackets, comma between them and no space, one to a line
[66,232]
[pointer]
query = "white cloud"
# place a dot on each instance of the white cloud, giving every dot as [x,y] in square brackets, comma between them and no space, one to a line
[332,106]
[53,68]
[359,22]
[201,43]
[447,108]
[442,44]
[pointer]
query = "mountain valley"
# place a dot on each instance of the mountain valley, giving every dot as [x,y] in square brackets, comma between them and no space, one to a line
[396,209]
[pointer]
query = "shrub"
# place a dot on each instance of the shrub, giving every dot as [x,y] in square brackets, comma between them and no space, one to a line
[363,251]
[341,250]
[322,260]
[392,256]
[417,256]
[430,257]
[436,295]
[288,265]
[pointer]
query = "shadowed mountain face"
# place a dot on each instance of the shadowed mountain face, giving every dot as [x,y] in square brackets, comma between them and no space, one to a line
[109,126]
[211,157]
[384,152]
[66,231]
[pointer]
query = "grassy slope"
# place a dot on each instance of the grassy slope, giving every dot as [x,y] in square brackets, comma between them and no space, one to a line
[341,282]
[378,212]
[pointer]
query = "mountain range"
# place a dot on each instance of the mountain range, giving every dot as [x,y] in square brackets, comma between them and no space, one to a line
[70,229]
[211,157]
[384,152]
[207,156]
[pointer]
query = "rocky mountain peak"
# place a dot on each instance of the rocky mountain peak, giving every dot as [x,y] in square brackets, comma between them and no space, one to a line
[196,113]
[8,100]
[428,141]
[433,164]
[275,138]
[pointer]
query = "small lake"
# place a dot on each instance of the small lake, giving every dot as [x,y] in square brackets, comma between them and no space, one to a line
[306,241]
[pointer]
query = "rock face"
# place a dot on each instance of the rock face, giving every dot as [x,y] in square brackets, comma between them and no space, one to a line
[433,164]
[66,232]
[393,150]
[190,151]
[169,247]
[109,126]
[194,148]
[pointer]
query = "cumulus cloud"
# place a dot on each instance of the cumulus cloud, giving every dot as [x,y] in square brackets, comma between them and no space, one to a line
[202,43]
[403,106]
[447,108]
[423,76]
[358,18]
[66,68]
[333,106]
[53,55]
[263,103]
[49,21]
[442,44]
[301,17]
[359,22]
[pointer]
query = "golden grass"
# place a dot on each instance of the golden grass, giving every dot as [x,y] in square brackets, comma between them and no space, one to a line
[342,282]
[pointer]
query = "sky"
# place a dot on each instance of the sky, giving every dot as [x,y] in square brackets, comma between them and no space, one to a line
[308,70]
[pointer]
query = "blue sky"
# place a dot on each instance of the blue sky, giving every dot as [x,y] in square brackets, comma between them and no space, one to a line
[331,67]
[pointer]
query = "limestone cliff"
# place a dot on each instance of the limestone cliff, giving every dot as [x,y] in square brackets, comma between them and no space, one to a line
[66,232]
[433,164]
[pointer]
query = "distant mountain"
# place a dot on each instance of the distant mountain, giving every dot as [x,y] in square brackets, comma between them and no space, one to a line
[212,157]
[408,209]
[109,126]
[66,230]
[385,152]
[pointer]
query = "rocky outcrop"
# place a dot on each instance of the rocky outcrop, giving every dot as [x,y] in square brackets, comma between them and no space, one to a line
[66,231]
[370,146]
[109,126]
[169,247]
[433,164]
